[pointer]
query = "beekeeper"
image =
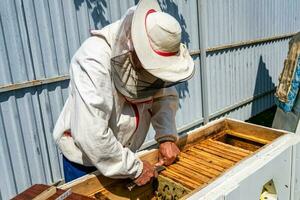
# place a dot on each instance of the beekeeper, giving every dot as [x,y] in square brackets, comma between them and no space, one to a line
[121,79]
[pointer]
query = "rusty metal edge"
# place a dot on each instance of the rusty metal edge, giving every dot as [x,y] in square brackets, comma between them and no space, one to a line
[27,84]
[240,104]
[250,42]
[243,43]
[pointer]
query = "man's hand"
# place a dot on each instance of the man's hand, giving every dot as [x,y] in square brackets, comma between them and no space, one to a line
[168,152]
[147,174]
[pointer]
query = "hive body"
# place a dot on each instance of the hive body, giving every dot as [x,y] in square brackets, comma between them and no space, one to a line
[206,154]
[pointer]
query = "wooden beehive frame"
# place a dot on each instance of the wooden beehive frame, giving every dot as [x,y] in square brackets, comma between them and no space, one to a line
[94,183]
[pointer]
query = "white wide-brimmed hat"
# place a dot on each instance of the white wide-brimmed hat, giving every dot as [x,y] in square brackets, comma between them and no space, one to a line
[156,38]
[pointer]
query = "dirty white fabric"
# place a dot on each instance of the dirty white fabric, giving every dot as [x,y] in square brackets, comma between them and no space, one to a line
[106,129]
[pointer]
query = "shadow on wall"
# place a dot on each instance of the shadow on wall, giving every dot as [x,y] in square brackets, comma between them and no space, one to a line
[171,7]
[263,84]
[97,8]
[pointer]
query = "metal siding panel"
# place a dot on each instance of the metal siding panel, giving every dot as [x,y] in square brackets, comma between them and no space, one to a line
[5,71]
[59,37]
[82,20]
[26,153]
[235,21]
[34,39]
[115,11]
[190,105]
[15,142]
[29,133]
[41,140]
[190,102]
[25,50]
[7,183]
[50,102]
[38,39]
[44,27]
[72,31]
[214,81]
[13,45]
[239,74]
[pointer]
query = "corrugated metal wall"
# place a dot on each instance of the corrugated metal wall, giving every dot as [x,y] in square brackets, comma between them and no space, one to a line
[237,74]
[38,38]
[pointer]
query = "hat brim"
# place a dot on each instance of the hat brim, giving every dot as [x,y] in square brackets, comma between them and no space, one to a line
[175,68]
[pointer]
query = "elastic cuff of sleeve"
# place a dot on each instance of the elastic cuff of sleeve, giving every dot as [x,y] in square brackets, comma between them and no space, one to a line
[167,138]
[140,169]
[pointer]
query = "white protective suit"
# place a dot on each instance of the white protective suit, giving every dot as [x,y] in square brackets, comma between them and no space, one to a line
[106,129]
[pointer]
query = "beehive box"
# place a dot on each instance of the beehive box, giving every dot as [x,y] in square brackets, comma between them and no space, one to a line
[206,154]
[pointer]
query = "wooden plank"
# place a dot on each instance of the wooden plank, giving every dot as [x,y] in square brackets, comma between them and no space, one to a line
[202,161]
[46,193]
[101,194]
[119,191]
[241,143]
[261,132]
[217,153]
[37,189]
[249,137]
[218,135]
[199,168]
[230,148]
[89,184]
[150,156]
[222,150]
[190,184]
[208,159]
[202,133]
[189,173]
[211,157]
